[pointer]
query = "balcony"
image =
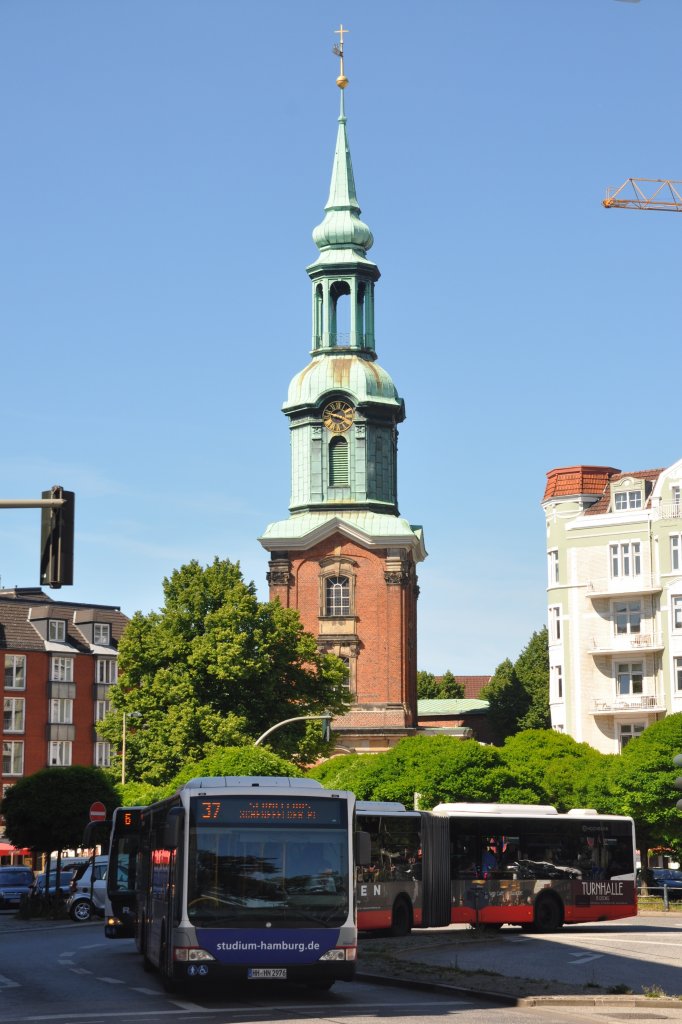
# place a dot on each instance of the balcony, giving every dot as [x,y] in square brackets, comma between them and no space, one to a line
[624,705]
[627,643]
[668,510]
[644,583]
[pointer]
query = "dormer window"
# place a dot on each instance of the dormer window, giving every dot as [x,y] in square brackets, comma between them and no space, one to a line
[101,634]
[624,500]
[56,630]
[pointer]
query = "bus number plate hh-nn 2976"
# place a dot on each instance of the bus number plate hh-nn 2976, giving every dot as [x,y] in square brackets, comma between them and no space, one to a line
[278,973]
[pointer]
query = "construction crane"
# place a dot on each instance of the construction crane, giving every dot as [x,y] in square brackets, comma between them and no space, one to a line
[646,194]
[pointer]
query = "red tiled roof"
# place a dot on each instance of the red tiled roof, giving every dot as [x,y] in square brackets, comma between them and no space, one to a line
[472,684]
[577,480]
[604,502]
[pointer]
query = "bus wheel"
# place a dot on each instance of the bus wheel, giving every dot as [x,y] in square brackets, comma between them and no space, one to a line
[549,916]
[401,919]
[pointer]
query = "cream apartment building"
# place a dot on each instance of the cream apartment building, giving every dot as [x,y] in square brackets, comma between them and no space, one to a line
[614,555]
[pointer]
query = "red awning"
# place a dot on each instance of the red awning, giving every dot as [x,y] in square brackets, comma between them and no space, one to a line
[6,849]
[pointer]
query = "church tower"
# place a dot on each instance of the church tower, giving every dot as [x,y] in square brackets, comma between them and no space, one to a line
[344,557]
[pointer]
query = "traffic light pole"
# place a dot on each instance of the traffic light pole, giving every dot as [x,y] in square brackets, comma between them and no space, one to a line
[56,533]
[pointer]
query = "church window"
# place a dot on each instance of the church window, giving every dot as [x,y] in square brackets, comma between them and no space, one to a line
[337,596]
[338,462]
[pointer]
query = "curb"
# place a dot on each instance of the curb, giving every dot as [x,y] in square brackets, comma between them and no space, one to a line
[507,1000]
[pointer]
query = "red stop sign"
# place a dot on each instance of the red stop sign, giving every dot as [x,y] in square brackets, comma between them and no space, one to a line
[98,811]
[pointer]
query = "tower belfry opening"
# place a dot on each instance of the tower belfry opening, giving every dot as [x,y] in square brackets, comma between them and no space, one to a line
[344,529]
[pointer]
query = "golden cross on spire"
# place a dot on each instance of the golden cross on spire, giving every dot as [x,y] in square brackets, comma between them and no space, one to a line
[341,81]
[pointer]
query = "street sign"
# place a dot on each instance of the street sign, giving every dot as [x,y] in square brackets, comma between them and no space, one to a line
[98,811]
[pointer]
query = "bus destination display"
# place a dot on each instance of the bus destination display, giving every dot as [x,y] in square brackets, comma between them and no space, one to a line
[267,810]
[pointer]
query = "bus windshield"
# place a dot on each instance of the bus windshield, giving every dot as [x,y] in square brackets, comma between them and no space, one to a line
[250,866]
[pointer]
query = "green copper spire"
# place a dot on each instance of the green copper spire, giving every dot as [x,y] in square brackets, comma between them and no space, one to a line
[342,227]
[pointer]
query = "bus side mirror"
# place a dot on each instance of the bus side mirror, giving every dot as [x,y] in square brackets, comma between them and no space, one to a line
[173,828]
[363,849]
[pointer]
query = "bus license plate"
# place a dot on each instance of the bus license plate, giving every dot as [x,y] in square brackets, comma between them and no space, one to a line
[280,973]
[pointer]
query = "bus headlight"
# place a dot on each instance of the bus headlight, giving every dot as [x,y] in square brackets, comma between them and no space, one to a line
[187,954]
[341,953]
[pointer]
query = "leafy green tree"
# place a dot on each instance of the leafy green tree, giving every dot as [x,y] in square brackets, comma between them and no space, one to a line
[519,693]
[445,687]
[559,770]
[439,768]
[214,668]
[49,810]
[229,761]
[642,780]
[532,671]
[508,701]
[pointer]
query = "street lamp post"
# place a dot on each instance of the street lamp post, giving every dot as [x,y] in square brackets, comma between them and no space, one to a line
[325,719]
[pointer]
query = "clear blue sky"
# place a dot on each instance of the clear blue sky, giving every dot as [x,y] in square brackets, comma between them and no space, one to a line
[162,165]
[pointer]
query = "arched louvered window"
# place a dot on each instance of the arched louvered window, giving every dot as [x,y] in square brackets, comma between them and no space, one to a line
[338,462]
[337,596]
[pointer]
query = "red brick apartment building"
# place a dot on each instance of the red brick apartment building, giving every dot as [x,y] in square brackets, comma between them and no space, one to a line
[60,660]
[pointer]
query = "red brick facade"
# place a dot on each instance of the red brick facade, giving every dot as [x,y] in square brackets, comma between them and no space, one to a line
[377,638]
[54,689]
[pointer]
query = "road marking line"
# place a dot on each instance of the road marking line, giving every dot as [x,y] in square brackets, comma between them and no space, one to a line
[7,982]
[585,959]
[110,981]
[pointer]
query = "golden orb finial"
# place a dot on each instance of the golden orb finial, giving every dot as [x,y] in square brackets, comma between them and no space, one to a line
[341,81]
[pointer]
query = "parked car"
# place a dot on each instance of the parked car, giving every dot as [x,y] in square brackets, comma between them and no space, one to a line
[88,890]
[38,886]
[15,883]
[671,878]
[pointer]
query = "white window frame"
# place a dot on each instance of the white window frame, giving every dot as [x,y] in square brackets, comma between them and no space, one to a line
[101,634]
[676,613]
[625,559]
[627,617]
[15,671]
[56,630]
[102,709]
[626,500]
[557,674]
[61,669]
[675,551]
[14,714]
[102,755]
[12,757]
[337,596]
[629,679]
[106,670]
[628,731]
[677,675]
[61,711]
[554,623]
[59,753]
[553,566]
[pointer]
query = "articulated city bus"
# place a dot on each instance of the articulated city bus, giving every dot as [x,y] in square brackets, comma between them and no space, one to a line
[248,878]
[494,864]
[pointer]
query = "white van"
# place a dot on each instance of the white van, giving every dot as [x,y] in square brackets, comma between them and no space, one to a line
[88,890]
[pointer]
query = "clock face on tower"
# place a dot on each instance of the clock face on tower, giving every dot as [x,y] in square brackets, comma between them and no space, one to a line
[337,416]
